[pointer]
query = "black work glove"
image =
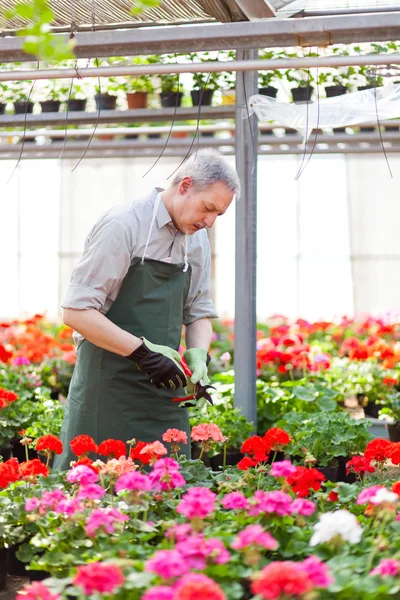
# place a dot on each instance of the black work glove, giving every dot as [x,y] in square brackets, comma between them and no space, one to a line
[161,364]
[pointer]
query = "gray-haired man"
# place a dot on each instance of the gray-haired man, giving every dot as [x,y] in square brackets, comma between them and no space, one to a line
[144,272]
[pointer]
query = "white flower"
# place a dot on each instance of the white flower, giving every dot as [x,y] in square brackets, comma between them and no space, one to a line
[383,495]
[339,523]
[48,403]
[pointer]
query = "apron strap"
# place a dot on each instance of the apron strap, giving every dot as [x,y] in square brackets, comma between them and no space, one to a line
[185,268]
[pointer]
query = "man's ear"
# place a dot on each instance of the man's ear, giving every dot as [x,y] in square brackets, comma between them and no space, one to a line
[185,184]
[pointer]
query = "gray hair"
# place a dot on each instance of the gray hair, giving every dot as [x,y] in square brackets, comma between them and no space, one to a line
[206,167]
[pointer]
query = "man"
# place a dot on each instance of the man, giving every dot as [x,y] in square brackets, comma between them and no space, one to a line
[144,272]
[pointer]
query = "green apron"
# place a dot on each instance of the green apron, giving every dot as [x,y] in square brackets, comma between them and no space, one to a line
[109,397]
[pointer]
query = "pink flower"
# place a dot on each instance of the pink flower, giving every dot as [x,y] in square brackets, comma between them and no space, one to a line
[282,468]
[196,551]
[271,502]
[93,491]
[179,532]
[196,586]
[317,572]
[105,519]
[117,466]
[207,431]
[368,494]
[302,507]
[36,591]
[166,476]
[235,501]
[19,361]
[156,449]
[253,535]
[167,564]
[32,504]
[387,566]
[68,507]
[225,357]
[50,500]
[166,463]
[82,474]
[160,592]
[98,577]
[198,502]
[175,435]
[133,481]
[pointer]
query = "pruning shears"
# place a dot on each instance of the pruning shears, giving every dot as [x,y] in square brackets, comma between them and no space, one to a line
[200,394]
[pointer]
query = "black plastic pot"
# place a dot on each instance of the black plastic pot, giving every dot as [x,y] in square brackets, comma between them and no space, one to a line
[290,131]
[201,97]
[131,136]
[232,459]
[15,566]
[76,105]
[335,90]
[331,472]
[154,136]
[3,568]
[5,453]
[105,102]
[2,108]
[269,91]
[302,94]
[371,409]
[171,99]
[207,133]
[50,106]
[391,128]
[38,575]
[351,477]
[23,106]
[339,130]
[394,432]
[367,129]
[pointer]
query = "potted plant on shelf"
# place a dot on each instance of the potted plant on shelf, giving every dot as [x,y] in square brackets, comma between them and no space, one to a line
[303,78]
[204,84]
[228,80]
[52,93]
[19,94]
[267,78]
[137,89]
[391,414]
[107,89]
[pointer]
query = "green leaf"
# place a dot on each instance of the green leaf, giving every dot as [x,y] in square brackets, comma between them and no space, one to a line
[303,393]
[327,404]
[347,492]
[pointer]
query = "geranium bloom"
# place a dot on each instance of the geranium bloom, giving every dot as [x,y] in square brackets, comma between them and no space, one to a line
[88,462]
[276,439]
[32,469]
[254,535]
[235,501]
[257,447]
[112,448]
[68,506]
[175,435]
[317,571]
[179,532]
[270,502]
[302,507]
[98,577]
[20,361]
[246,463]
[36,591]
[377,450]
[383,496]
[6,397]
[83,444]
[165,475]
[104,518]
[92,491]
[396,488]
[133,481]
[9,472]
[81,474]
[305,480]
[394,453]
[388,566]
[156,450]
[282,468]
[205,432]
[359,464]
[49,443]
[368,494]
[278,579]
[195,586]
[198,502]
[196,551]
[390,381]
[115,467]
[159,592]
[137,454]
[340,523]
[32,504]
[167,564]
[50,500]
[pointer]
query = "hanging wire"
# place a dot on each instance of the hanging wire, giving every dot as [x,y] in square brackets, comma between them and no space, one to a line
[71,36]
[306,137]
[316,130]
[378,121]
[24,132]
[253,138]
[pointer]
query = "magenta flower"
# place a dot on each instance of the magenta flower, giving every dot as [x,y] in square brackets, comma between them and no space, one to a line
[388,566]
[36,591]
[198,502]
[50,500]
[303,507]
[68,507]
[197,550]
[235,501]
[367,495]
[166,463]
[165,475]
[32,504]
[133,481]
[270,502]
[160,592]
[104,519]
[254,535]
[179,532]
[82,474]
[98,577]
[282,468]
[93,491]
[20,361]
[317,572]
[167,564]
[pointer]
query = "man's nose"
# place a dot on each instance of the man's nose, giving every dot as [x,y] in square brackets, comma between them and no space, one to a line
[209,220]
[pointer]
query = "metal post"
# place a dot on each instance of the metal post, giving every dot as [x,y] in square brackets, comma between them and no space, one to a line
[246,248]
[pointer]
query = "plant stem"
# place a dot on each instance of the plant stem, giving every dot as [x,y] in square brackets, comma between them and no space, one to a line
[224,462]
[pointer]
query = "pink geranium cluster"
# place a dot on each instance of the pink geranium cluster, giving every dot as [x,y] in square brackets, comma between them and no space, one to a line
[117,466]
[280,503]
[97,577]
[55,501]
[192,585]
[207,432]
[165,475]
[196,550]
[235,501]
[133,481]
[197,503]
[282,468]
[104,519]
[388,567]
[254,535]
[82,474]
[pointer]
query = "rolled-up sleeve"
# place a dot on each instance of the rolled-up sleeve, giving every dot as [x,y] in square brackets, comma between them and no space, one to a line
[104,264]
[199,304]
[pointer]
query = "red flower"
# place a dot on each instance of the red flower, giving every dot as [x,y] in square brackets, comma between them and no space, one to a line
[84,460]
[359,464]
[112,448]
[333,496]
[305,480]
[137,455]
[282,579]
[246,463]
[254,445]
[196,586]
[275,439]
[32,468]
[394,453]
[396,488]
[4,354]
[83,444]
[377,450]
[49,443]
[7,396]
[390,381]
[9,472]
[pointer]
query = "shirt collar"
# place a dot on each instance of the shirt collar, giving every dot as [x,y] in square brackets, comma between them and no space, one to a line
[163,216]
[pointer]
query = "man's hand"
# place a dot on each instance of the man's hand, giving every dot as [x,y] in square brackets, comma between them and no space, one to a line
[197,360]
[160,364]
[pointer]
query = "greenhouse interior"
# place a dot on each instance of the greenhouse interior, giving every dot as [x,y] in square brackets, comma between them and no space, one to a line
[199,202]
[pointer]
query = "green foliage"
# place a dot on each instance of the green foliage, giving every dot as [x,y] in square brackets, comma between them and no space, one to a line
[140,6]
[209,81]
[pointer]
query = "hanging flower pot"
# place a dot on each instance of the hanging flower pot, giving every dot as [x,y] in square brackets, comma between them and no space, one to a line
[105,102]
[335,90]
[50,106]
[269,91]
[171,99]
[202,97]
[302,94]
[74,104]
[23,106]
[137,99]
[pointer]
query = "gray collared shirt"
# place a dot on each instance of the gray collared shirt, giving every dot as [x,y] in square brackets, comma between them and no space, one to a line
[117,238]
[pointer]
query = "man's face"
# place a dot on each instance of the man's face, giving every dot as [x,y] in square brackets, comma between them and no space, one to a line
[196,209]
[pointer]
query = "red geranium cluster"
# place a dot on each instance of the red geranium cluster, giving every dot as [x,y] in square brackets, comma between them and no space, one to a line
[49,444]
[359,464]
[11,471]
[144,457]
[81,445]
[274,439]
[6,397]
[305,480]
[112,448]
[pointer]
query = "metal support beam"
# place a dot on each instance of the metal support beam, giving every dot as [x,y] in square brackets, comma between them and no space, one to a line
[246,245]
[268,33]
[256,9]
